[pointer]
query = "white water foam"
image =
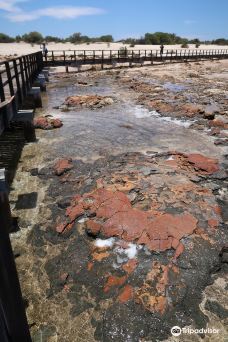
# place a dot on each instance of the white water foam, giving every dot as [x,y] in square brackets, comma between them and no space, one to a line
[178,122]
[141,112]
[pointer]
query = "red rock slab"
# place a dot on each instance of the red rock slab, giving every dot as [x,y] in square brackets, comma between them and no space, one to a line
[115,216]
[114,281]
[62,166]
[203,163]
[176,226]
[166,230]
[113,206]
[126,294]
[129,225]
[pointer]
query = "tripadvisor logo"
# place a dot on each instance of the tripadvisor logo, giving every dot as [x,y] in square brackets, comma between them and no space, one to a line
[176,331]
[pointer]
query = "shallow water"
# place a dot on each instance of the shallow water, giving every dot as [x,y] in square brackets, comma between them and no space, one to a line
[118,128]
[174,87]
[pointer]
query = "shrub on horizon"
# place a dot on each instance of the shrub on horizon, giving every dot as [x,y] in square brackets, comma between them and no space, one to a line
[4,38]
[184,46]
[33,37]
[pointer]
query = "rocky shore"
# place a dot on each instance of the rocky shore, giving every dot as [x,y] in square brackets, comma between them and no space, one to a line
[127,237]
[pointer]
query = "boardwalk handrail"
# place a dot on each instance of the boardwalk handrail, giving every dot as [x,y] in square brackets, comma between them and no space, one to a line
[16,78]
[80,57]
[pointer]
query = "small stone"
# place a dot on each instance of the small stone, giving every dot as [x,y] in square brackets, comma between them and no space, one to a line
[46,123]
[62,166]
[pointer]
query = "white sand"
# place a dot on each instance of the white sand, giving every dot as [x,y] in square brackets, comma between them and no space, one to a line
[24,48]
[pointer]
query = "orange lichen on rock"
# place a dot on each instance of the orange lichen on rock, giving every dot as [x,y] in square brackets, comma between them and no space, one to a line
[114,281]
[90,266]
[152,294]
[213,223]
[126,294]
[130,266]
[100,256]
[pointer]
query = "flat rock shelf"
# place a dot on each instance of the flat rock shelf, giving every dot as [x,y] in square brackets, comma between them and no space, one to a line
[123,209]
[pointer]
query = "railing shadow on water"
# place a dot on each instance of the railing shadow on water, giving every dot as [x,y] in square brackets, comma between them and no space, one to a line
[12,143]
[13,321]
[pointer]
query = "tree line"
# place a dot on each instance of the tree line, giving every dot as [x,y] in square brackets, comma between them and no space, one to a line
[156,38]
[37,38]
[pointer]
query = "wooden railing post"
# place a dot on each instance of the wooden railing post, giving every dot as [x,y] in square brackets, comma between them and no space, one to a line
[22,77]
[2,92]
[19,93]
[26,72]
[94,56]
[2,98]
[102,59]
[10,84]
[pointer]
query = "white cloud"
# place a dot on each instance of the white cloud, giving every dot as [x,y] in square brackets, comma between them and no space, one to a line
[16,14]
[10,5]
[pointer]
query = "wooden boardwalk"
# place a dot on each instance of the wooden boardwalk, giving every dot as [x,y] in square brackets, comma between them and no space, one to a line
[119,57]
[16,79]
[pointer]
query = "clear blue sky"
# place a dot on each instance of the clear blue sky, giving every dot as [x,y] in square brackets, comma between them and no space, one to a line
[205,19]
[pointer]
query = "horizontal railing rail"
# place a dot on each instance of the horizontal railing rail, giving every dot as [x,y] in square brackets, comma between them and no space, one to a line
[80,57]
